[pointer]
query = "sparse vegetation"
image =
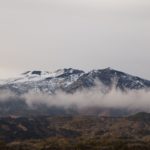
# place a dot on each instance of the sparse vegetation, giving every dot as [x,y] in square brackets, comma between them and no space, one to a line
[75,133]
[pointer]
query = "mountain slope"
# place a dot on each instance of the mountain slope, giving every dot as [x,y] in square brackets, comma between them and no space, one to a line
[132,127]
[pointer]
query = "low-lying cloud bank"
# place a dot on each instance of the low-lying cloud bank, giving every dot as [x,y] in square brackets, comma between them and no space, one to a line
[134,99]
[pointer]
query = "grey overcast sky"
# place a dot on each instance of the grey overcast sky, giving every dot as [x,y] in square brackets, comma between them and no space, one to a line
[84,34]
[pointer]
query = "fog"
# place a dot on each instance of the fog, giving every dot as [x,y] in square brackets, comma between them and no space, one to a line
[138,100]
[116,99]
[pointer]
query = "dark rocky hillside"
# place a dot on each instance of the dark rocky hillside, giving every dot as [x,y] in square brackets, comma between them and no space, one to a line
[76,132]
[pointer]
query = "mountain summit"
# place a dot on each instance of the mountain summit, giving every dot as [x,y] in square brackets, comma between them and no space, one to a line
[71,80]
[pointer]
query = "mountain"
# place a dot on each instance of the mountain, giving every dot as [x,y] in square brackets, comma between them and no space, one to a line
[71,80]
[44,127]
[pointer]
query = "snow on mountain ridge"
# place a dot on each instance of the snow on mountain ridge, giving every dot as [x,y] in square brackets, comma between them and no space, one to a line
[36,75]
[71,80]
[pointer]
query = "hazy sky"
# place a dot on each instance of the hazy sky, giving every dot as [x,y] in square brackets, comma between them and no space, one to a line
[84,34]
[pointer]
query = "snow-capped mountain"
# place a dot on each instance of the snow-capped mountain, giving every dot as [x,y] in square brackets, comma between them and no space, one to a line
[67,80]
[71,80]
